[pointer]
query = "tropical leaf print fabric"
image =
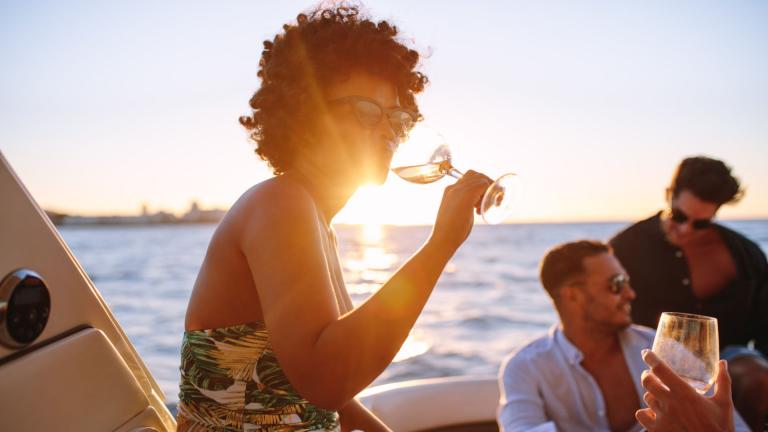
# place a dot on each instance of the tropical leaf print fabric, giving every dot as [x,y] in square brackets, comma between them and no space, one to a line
[232,381]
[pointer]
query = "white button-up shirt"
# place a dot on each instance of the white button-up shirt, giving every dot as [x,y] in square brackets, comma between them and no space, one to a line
[545,388]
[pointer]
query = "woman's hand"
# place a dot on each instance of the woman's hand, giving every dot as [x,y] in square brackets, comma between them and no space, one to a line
[676,406]
[455,217]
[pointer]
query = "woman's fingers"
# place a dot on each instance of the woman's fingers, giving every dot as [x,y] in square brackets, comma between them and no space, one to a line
[654,386]
[454,218]
[664,374]
[647,418]
[478,183]
[722,385]
[652,401]
[473,180]
[480,175]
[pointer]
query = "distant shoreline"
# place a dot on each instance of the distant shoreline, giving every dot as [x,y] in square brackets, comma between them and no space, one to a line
[195,215]
[214,222]
[131,224]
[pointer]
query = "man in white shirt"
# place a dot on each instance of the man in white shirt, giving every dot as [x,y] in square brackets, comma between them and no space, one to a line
[584,375]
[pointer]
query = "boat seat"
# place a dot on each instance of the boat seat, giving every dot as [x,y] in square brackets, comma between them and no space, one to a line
[76,383]
[65,362]
[490,426]
[450,404]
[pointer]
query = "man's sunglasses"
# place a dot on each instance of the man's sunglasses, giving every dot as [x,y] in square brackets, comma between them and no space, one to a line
[615,284]
[679,217]
[618,282]
[369,113]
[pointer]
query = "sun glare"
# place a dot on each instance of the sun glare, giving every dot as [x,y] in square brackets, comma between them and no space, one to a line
[372,233]
[395,203]
[412,347]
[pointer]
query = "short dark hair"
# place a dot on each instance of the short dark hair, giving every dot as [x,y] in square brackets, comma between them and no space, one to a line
[564,262]
[709,179]
[296,68]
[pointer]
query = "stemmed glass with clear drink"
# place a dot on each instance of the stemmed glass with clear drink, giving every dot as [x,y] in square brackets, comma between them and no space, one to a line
[689,344]
[425,158]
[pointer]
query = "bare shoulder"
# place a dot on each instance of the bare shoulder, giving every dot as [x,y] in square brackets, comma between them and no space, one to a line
[276,194]
[273,207]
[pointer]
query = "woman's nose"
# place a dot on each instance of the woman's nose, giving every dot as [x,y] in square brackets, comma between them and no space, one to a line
[386,129]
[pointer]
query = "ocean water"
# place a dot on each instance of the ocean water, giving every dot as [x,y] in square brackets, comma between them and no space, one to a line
[487,302]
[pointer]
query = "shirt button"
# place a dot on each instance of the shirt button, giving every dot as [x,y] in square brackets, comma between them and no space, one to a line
[686,281]
[679,254]
[601,413]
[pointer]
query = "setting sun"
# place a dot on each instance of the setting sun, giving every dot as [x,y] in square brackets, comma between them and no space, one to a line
[372,233]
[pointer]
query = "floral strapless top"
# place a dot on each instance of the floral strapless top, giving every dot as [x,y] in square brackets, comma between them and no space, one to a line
[231,381]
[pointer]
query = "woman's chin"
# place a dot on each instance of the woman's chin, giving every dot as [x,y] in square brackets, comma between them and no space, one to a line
[381,177]
[375,175]
[374,180]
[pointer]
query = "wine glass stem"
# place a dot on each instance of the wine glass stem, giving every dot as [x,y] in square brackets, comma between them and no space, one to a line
[453,172]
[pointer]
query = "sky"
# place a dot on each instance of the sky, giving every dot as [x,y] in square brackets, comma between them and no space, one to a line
[105,106]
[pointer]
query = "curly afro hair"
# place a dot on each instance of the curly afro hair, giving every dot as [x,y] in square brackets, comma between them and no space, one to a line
[322,48]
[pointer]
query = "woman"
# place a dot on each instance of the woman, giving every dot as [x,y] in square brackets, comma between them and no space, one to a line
[272,341]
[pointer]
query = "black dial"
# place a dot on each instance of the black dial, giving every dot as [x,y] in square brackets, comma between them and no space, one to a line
[27,307]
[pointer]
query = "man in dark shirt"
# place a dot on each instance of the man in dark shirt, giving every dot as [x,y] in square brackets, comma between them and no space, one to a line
[681,261]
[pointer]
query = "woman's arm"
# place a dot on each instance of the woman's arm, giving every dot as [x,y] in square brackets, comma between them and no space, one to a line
[355,416]
[330,358]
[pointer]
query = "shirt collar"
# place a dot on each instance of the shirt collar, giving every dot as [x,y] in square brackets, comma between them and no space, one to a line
[572,354]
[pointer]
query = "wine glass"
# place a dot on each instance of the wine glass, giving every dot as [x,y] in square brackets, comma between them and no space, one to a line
[689,344]
[425,157]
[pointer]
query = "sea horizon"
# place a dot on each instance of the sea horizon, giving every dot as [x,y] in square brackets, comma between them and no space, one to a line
[478,222]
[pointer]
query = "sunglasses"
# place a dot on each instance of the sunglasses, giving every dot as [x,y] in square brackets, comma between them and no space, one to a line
[677,216]
[369,114]
[618,282]
[615,284]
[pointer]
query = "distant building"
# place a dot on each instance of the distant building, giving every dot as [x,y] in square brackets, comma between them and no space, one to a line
[194,215]
[157,218]
[197,215]
[55,217]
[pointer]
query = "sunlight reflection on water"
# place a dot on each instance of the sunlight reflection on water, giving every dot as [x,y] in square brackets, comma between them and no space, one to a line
[411,348]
